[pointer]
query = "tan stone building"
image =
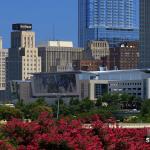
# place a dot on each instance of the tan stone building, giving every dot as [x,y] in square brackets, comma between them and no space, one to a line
[97,50]
[58,56]
[23,55]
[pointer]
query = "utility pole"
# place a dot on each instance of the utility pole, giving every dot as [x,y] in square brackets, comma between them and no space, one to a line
[58,108]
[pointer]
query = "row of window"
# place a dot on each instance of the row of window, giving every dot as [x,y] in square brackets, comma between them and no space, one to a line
[116,84]
[99,45]
[31,64]
[34,69]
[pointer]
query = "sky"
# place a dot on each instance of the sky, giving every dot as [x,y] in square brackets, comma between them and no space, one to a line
[51,19]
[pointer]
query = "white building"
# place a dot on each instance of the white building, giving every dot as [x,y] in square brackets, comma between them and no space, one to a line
[56,44]
[134,82]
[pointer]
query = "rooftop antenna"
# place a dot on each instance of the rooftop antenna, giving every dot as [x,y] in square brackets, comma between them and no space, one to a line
[53,32]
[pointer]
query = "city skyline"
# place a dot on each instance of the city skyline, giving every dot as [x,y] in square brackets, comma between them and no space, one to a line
[59,25]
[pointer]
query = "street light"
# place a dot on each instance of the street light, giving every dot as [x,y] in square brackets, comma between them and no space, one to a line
[58,107]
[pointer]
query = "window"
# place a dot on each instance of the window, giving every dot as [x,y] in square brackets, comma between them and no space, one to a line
[100,89]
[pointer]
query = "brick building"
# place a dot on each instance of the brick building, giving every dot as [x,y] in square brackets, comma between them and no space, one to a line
[126,56]
[89,65]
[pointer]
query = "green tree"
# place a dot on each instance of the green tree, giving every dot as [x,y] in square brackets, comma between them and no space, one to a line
[7,113]
[63,108]
[111,98]
[33,109]
[99,102]
[86,105]
[74,101]
[124,97]
[19,104]
[41,102]
[36,111]
[145,110]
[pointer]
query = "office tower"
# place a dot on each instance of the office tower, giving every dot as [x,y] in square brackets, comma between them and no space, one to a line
[1,43]
[114,21]
[125,56]
[58,55]
[144,34]
[3,70]
[23,57]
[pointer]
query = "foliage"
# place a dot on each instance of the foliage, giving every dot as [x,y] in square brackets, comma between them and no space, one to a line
[99,102]
[145,108]
[73,102]
[39,109]
[6,113]
[6,146]
[65,134]
[80,108]
[144,115]
[32,110]
[74,107]
[86,105]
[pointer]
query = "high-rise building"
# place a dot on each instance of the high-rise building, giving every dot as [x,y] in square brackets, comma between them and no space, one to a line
[114,21]
[3,70]
[23,57]
[58,56]
[144,34]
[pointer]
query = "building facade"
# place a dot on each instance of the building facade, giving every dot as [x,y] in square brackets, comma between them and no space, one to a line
[87,65]
[97,50]
[114,21]
[83,84]
[58,56]
[3,69]
[51,86]
[144,34]
[96,53]
[125,56]
[23,57]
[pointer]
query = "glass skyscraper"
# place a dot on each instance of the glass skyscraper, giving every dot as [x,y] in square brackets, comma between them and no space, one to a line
[144,34]
[111,20]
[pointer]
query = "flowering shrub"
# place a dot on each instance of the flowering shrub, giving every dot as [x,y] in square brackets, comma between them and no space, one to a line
[5,146]
[65,134]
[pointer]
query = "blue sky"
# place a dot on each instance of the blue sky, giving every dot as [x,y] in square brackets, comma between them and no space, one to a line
[44,15]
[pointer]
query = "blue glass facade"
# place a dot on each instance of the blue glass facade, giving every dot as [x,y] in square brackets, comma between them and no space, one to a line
[144,34]
[111,20]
